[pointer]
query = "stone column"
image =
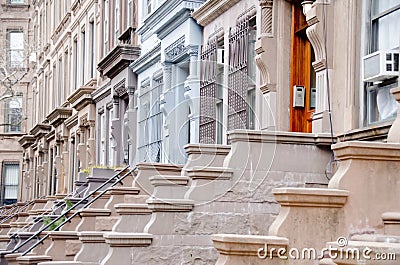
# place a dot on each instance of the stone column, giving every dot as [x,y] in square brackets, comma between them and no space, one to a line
[91,145]
[81,148]
[266,50]
[65,163]
[130,122]
[192,95]
[166,96]
[116,130]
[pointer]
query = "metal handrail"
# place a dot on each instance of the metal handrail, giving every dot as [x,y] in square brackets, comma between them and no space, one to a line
[10,210]
[46,213]
[36,234]
[77,212]
[19,209]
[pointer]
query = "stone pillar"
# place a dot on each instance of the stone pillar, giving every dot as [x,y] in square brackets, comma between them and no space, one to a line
[91,145]
[266,50]
[192,95]
[81,148]
[165,97]
[116,130]
[130,122]
[65,153]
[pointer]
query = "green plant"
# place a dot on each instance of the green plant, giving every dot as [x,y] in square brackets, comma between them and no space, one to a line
[89,169]
[47,220]
[69,204]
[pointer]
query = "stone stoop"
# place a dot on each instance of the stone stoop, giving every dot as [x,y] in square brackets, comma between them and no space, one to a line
[391,221]
[360,198]
[243,249]
[366,250]
[166,200]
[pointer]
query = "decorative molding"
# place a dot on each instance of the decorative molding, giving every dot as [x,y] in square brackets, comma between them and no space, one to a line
[118,59]
[81,97]
[174,22]
[101,93]
[176,49]
[266,17]
[279,137]
[212,9]
[155,20]
[71,121]
[145,61]
[58,116]
[40,129]
[26,141]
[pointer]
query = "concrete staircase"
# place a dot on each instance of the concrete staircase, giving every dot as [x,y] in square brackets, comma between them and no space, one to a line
[358,210]
[167,214]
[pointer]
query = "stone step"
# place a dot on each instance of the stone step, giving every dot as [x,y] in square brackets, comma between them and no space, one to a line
[391,221]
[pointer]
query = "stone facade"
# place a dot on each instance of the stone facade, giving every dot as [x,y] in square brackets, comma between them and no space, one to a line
[16,46]
[228,113]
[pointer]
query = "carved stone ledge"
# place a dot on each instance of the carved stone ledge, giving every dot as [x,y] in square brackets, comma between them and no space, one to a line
[128,239]
[58,116]
[246,245]
[40,130]
[170,205]
[118,59]
[210,173]
[310,197]
[132,209]
[26,141]
[81,98]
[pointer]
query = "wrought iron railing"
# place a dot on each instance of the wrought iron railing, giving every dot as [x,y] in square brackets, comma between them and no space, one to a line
[36,235]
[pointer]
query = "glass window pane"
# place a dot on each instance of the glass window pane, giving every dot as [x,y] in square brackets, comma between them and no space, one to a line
[383,30]
[378,6]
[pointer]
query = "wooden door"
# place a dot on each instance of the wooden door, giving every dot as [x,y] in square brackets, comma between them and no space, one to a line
[301,72]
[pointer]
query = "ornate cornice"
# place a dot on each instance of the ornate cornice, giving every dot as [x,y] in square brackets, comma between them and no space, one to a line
[71,121]
[146,60]
[155,20]
[118,59]
[40,129]
[101,93]
[211,10]
[81,97]
[26,141]
[58,115]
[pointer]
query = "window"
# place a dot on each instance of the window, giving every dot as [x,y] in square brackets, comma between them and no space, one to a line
[91,49]
[241,94]
[384,19]
[83,50]
[103,140]
[13,115]
[105,30]
[130,12]
[251,90]
[16,2]
[148,6]
[60,82]
[66,72]
[15,47]
[10,178]
[150,121]
[116,22]
[75,64]
[110,138]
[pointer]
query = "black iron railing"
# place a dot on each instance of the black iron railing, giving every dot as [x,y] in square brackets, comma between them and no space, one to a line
[68,219]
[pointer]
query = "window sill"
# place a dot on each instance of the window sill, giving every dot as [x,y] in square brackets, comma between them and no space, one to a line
[374,132]
[14,6]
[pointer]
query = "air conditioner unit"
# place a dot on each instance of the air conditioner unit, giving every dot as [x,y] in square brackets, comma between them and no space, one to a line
[380,65]
[220,56]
